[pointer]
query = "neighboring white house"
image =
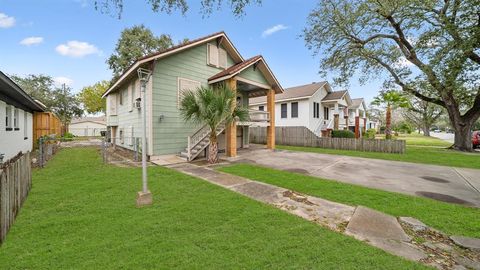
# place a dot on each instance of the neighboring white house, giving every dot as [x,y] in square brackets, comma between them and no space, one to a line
[16,112]
[315,106]
[87,126]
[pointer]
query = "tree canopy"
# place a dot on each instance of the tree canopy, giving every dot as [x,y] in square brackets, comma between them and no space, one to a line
[408,40]
[115,7]
[135,42]
[91,97]
[59,100]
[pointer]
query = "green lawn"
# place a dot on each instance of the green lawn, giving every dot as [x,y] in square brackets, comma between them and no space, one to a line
[81,214]
[449,218]
[419,139]
[420,149]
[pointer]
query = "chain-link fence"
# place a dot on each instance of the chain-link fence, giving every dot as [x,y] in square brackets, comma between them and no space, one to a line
[122,151]
[47,147]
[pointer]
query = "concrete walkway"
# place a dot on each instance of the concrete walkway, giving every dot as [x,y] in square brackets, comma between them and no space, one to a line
[374,228]
[448,184]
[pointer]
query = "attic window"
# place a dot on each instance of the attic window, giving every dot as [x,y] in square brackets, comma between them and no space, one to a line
[216,56]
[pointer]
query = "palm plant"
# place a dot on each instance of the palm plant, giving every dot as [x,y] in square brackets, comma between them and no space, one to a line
[391,99]
[212,107]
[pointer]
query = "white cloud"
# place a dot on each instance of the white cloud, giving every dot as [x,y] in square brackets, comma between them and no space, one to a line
[83,3]
[77,49]
[274,29]
[59,81]
[6,21]
[31,41]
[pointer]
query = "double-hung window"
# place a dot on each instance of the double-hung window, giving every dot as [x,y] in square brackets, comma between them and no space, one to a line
[15,119]
[326,113]
[316,110]
[294,109]
[8,118]
[284,111]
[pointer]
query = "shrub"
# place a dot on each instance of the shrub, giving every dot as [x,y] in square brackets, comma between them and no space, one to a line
[370,134]
[342,134]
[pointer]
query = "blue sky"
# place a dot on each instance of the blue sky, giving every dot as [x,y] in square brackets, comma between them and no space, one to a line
[69,40]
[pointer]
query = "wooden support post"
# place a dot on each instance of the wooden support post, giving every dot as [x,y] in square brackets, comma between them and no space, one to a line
[336,122]
[231,129]
[271,111]
[365,124]
[357,127]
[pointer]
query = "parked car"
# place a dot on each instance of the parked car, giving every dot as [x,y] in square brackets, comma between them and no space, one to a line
[476,139]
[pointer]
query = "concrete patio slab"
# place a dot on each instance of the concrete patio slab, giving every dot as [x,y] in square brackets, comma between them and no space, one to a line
[436,182]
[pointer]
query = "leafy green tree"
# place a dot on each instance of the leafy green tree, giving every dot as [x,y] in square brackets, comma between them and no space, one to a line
[423,114]
[212,107]
[168,6]
[37,86]
[391,99]
[91,97]
[134,43]
[65,104]
[437,41]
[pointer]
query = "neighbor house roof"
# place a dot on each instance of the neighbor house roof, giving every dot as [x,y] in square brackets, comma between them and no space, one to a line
[221,36]
[297,92]
[356,103]
[12,94]
[237,68]
[335,95]
[99,120]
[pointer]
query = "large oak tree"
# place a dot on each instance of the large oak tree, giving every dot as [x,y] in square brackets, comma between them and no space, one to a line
[409,40]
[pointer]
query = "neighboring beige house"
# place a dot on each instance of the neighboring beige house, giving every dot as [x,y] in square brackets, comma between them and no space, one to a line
[87,126]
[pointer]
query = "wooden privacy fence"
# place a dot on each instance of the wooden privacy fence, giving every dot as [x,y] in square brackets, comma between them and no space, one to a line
[46,124]
[302,136]
[15,183]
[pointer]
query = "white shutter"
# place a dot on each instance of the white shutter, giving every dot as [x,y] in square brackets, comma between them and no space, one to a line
[222,58]
[212,55]
[130,137]
[130,97]
[184,85]
[137,91]
[113,104]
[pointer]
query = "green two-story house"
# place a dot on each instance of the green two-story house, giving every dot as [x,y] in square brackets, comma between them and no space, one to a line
[206,61]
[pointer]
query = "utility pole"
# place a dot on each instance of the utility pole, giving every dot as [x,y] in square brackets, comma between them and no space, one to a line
[144,197]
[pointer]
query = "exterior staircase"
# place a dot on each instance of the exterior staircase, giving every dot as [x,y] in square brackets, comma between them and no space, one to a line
[199,141]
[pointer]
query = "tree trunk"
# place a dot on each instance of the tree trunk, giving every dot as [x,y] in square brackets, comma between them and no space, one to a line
[388,123]
[463,137]
[426,131]
[213,149]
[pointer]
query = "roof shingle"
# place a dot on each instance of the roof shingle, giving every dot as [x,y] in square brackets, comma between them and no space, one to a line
[300,91]
[335,95]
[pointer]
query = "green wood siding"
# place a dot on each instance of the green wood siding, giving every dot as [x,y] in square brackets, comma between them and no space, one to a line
[253,75]
[170,134]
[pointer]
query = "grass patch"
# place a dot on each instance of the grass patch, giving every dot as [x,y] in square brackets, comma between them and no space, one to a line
[416,139]
[415,154]
[81,214]
[450,218]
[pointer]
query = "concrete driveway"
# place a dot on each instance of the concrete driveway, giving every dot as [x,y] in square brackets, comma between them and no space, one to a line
[454,185]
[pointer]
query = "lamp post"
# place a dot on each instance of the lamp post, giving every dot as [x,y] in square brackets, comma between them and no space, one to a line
[144,197]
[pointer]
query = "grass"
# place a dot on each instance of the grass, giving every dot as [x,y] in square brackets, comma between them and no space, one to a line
[81,214]
[416,139]
[420,149]
[450,218]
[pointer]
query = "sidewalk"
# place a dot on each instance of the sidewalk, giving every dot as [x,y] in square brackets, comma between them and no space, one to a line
[373,227]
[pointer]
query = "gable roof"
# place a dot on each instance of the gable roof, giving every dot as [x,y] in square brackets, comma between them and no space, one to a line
[221,37]
[237,68]
[296,92]
[12,94]
[335,95]
[356,103]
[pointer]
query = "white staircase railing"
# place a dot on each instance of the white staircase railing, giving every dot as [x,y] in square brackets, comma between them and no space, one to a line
[197,142]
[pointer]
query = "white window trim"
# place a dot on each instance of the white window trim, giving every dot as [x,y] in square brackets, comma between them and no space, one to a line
[8,117]
[179,90]
[209,45]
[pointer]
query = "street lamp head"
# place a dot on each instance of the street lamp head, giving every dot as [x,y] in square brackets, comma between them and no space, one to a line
[144,74]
